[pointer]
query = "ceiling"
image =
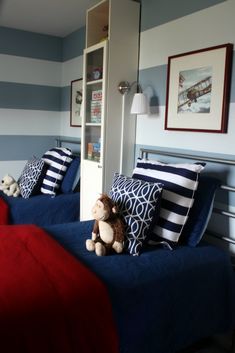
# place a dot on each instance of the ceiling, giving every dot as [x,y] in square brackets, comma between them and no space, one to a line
[53,17]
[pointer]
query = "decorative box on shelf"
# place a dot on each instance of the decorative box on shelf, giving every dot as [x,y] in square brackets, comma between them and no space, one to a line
[97,73]
[94,74]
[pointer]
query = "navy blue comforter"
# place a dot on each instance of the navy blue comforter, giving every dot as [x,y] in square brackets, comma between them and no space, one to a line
[43,210]
[162,300]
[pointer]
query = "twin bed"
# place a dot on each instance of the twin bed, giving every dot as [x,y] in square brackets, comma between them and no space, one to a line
[65,299]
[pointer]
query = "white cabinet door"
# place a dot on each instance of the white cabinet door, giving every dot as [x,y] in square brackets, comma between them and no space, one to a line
[91,187]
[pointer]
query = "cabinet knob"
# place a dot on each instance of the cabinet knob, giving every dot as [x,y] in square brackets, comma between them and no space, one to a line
[99,166]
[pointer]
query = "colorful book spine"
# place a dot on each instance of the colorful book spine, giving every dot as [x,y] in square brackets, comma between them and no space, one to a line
[96,106]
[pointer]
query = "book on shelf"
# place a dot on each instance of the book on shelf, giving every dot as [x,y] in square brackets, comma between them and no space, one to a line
[96,95]
[96,106]
[93,151]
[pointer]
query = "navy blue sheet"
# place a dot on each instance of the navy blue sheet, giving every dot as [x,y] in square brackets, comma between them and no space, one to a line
[162,300]
[43,210]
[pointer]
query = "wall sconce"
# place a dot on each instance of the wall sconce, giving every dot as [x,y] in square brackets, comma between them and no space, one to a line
[139,102]
[139,106]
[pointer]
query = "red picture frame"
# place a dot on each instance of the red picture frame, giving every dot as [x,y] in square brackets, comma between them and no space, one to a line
[198,89]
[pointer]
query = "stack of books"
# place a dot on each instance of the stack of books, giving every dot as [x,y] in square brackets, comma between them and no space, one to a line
[96,106]
[93,151]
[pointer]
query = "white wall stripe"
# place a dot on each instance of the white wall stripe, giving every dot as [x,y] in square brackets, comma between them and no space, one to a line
[71,70]
[65,129]
[29,122]
[199,30]
[14,168]
[150,131]
[30,71]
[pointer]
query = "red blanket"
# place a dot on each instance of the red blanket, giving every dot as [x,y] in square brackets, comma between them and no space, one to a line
[4,212]
[49,301]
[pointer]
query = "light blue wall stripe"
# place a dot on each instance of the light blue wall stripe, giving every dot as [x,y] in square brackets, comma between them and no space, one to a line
[155,13]
[28,44]
[26,96]
[65,99]
[74,44]
[74,143]
[181,150]
[34,97]
[24,147]
[155,79]
[41,46]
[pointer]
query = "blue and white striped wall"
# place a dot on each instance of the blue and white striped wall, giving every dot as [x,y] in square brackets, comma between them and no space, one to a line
[173,27]
[204,28]
[36,71]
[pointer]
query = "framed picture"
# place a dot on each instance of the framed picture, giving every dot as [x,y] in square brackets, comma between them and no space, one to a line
[76,102]
[198,87]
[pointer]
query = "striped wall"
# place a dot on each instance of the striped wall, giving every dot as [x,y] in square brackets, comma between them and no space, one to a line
[36,71]
[197,30]
[169,28]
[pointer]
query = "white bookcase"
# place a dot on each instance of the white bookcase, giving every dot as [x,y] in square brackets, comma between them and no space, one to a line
[110,56]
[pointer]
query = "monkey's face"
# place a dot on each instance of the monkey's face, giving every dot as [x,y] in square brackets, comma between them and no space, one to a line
[99,212]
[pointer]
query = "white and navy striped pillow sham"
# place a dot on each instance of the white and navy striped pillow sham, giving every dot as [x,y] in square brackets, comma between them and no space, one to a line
[58,159]
[180,181]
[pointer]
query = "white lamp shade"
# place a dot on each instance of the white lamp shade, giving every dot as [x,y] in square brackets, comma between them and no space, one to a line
[139,104]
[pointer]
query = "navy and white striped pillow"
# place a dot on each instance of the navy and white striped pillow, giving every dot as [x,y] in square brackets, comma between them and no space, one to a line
[180,181]
[58,159]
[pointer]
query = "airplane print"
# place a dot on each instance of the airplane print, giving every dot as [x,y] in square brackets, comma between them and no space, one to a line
[194,90]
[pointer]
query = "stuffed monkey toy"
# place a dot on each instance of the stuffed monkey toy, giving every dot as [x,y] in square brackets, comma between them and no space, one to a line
[108,231]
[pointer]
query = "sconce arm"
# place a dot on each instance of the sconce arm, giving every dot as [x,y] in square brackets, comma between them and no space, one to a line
[124,87]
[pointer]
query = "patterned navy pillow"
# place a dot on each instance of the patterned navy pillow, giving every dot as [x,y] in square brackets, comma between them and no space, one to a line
[137,201]
[31,178]
[58,159]
[180,181]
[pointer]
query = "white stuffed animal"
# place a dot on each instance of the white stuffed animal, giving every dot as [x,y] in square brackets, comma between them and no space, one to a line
[9,186]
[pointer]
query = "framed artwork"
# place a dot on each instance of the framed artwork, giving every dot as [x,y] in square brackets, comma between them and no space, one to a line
[76,102]
[198,87]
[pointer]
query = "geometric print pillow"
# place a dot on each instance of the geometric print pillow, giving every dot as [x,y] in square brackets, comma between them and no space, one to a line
[58,160]
[31,178]
[180,182]
[138,202]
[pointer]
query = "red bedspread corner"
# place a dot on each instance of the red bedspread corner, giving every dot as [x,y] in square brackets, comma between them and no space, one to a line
[49,301]
[4,212]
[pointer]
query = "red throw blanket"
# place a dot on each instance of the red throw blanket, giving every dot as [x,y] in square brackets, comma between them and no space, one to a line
[49,301]
[4,212]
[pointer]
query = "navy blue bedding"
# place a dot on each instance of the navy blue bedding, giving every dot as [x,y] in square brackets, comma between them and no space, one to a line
[44,209]
[162,300]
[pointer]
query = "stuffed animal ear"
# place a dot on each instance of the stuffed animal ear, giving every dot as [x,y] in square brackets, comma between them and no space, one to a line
[115,209]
